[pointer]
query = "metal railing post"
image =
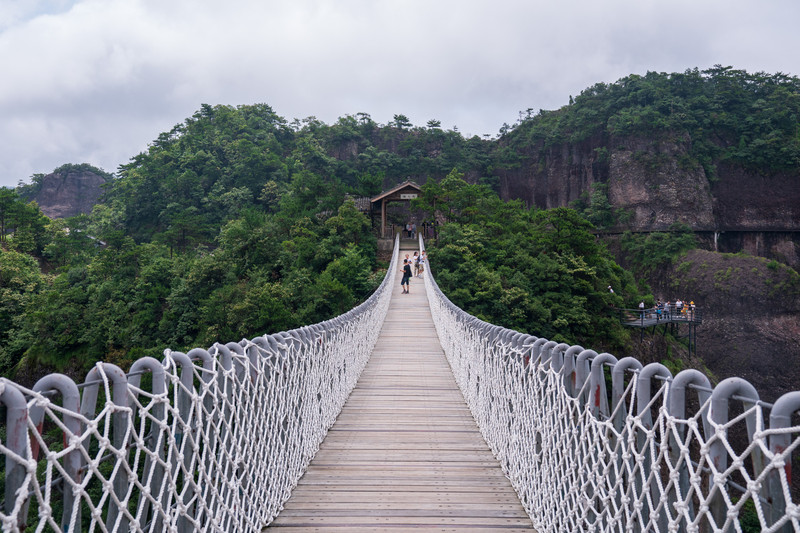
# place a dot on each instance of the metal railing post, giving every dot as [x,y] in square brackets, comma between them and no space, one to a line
[582,362]
[598,395]
[779,480]
[17,443]
[619,440]
[720,398]
[679,460]
[645,482]
[70,399]
[184,429]
[117,517]
[153,471]
[569,375]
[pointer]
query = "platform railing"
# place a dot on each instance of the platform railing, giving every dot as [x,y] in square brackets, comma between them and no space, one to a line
[663,314]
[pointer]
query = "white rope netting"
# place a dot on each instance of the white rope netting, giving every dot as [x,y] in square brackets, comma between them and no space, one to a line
[651,452]
[211,440]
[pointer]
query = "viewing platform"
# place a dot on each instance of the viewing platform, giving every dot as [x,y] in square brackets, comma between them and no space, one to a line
[670,316]
[644,318]
[405,453]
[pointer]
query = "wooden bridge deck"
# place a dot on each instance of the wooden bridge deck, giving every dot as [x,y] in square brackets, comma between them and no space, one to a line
[405,453]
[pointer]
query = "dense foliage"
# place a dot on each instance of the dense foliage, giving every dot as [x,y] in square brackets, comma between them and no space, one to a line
[647,251]
[178,255]
[536,271]
[22,225]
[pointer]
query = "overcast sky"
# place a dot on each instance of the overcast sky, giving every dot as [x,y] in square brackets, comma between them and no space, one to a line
[95,81]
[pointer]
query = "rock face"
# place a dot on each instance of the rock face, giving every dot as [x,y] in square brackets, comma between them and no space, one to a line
[66,194]
[658,184]
[645,178]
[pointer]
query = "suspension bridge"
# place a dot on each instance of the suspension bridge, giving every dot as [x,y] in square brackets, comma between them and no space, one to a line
[405,452]
[404,413]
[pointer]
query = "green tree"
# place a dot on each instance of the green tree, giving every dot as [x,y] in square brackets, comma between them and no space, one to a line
[20,278]
[370,184]
[542,272]
[184,226]
[401,122]
[8,203]
[653,250]
[69,242]
[24,221]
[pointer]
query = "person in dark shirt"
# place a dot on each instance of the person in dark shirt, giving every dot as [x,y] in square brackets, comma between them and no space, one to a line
[406,275]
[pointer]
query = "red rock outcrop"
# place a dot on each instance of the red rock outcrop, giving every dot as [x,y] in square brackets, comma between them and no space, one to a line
[69,193]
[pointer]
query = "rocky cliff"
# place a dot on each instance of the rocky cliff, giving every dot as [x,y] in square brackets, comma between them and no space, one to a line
[68,193]
[657,183]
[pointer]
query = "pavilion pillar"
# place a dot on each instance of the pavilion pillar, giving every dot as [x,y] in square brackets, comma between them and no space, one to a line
[383,218]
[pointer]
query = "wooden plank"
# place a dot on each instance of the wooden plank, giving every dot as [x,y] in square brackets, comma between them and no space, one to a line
[346,528]
[405,453]
[415,497]
[426,511]
[394,521]
[397,508]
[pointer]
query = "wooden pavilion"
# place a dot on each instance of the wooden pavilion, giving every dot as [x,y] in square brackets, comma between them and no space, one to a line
[405,192]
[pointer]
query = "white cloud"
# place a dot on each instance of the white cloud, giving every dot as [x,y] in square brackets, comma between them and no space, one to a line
[96,80]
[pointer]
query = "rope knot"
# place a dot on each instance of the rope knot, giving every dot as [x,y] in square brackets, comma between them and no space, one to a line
[778,462]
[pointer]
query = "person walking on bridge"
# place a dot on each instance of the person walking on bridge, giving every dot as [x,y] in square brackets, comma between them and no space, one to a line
[406,275]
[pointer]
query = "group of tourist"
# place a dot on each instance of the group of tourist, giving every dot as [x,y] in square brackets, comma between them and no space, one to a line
[680,309]
[411,229]
[412,266]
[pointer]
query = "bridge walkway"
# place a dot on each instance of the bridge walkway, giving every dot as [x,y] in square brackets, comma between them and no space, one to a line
[405,453]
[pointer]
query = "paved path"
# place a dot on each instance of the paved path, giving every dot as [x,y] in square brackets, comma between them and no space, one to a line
[405,453]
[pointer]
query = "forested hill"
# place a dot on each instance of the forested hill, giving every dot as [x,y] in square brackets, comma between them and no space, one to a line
[233,224]
[236,223]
